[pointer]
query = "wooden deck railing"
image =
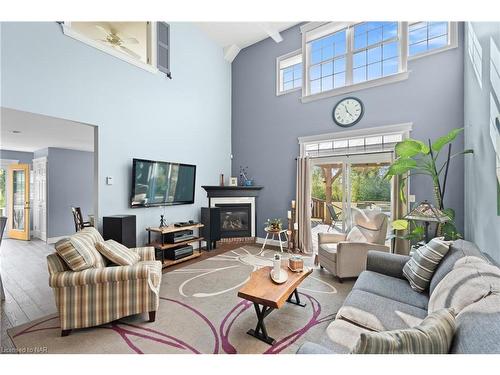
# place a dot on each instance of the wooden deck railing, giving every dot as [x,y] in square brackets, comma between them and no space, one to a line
[320,212]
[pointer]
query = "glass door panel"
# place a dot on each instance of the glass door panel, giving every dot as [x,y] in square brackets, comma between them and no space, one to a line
[340,185]
[368,189]
[19,214]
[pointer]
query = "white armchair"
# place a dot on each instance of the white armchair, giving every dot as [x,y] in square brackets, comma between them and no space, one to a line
[344,255]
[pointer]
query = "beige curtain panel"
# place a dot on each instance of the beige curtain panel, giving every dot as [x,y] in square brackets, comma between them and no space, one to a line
[303,189]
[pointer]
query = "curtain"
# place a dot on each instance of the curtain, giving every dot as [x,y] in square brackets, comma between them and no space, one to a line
[303,189]
[399,210]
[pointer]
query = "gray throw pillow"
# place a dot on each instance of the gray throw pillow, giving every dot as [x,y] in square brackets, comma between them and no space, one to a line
[433,336]
[424,261]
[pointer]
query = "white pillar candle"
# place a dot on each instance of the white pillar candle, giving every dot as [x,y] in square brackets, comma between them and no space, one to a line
[296,226]
[277,266]
[293,204]
[289,214]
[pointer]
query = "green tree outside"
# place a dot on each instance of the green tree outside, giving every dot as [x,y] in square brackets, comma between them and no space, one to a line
[367,183]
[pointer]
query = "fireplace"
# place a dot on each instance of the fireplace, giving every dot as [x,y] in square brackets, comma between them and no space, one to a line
[238,210]
[235,220]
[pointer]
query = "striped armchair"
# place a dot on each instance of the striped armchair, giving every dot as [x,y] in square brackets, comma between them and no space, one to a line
[96,296]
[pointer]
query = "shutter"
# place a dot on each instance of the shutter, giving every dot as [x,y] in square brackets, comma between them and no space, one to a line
[163,47]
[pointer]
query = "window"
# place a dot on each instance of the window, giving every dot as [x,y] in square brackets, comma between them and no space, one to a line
[475,53]
[328,62]
[289,72]
[376,50]
[425,37]
[380,139]
[144,44]
[342,57]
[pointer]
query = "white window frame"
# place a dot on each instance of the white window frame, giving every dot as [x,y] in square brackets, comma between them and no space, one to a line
[279,60]
[321,29]
[452,41]
[402,129]
[475,52]
[151,48]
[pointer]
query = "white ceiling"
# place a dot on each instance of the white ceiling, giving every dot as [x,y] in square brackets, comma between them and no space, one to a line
[238,35]
[39,132]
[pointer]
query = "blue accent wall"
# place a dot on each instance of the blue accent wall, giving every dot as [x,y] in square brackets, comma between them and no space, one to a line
[482,223]
[138,114]
[265,127]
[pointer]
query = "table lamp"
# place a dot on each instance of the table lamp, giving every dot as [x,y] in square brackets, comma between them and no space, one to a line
[427,213]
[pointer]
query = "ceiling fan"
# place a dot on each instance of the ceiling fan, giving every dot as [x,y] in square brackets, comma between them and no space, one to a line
[118,40]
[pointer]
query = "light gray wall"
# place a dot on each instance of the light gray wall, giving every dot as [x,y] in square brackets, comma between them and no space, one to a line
[482,225]
[265,127]
[70,182]
[23,157]
[138,114]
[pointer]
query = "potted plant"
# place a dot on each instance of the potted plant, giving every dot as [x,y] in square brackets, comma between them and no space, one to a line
[415,157]
[274,224]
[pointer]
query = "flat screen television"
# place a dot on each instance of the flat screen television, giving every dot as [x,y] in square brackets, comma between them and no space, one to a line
[159,183]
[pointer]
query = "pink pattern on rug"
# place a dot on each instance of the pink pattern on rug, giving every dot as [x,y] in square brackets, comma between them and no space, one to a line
[280,344]
[142,332]
[224,334]
[205,319]
[30,330]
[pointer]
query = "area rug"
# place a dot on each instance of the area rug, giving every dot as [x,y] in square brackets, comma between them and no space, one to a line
[200,312]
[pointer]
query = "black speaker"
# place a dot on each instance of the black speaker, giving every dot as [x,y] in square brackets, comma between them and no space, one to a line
[120,228]
[210,218]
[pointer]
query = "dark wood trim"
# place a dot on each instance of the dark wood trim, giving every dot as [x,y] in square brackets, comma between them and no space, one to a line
[232,191]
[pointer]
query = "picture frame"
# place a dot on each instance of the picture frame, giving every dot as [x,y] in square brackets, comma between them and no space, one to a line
[233,181]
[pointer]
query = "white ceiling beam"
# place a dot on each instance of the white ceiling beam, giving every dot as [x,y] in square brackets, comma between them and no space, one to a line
[230,52]
[271,31]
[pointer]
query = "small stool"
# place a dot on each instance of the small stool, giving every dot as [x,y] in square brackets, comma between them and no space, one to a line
[274,232]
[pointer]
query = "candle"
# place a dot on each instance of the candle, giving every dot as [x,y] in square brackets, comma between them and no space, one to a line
[289,214]
[293,204]
[296,226]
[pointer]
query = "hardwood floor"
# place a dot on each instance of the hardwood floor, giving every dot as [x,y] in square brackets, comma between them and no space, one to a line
[23,266]
[25,279]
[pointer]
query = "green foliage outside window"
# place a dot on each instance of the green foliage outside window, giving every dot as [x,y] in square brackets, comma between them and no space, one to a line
[368,184]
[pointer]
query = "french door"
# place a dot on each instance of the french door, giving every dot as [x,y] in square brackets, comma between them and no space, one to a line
[343,184]
[39,201]
[19,199]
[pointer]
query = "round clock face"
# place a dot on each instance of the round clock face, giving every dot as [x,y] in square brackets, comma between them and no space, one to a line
[348,112]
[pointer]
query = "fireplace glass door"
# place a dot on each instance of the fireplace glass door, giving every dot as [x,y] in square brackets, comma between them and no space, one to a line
[235,220]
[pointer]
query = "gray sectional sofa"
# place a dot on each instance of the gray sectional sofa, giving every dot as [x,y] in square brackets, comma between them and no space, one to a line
[382,300]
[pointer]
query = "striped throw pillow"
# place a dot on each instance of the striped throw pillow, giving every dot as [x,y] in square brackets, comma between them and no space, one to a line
[117,253]
[84,242]
[424,261]
[433,336]
[76,259]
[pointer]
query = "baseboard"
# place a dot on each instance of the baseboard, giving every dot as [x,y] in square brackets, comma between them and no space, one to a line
[51,240]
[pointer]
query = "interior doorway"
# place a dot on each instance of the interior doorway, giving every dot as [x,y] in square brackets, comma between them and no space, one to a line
[342,184]
[48,165]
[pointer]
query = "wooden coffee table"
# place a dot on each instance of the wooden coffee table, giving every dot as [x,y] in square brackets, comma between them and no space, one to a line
[266,296]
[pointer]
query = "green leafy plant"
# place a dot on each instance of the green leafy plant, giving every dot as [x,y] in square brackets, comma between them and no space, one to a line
[415,157]
[274,224]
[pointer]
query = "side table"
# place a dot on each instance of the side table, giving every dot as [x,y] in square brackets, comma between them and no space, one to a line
[272,233]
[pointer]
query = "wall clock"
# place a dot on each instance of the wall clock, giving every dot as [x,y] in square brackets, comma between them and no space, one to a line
[348,112]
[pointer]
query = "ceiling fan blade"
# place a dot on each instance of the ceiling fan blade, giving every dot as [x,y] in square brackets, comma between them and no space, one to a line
[103,29]
[130,52]
[130,40]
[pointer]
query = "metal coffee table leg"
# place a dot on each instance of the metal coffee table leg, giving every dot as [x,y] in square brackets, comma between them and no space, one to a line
[260,331]
[297,299]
